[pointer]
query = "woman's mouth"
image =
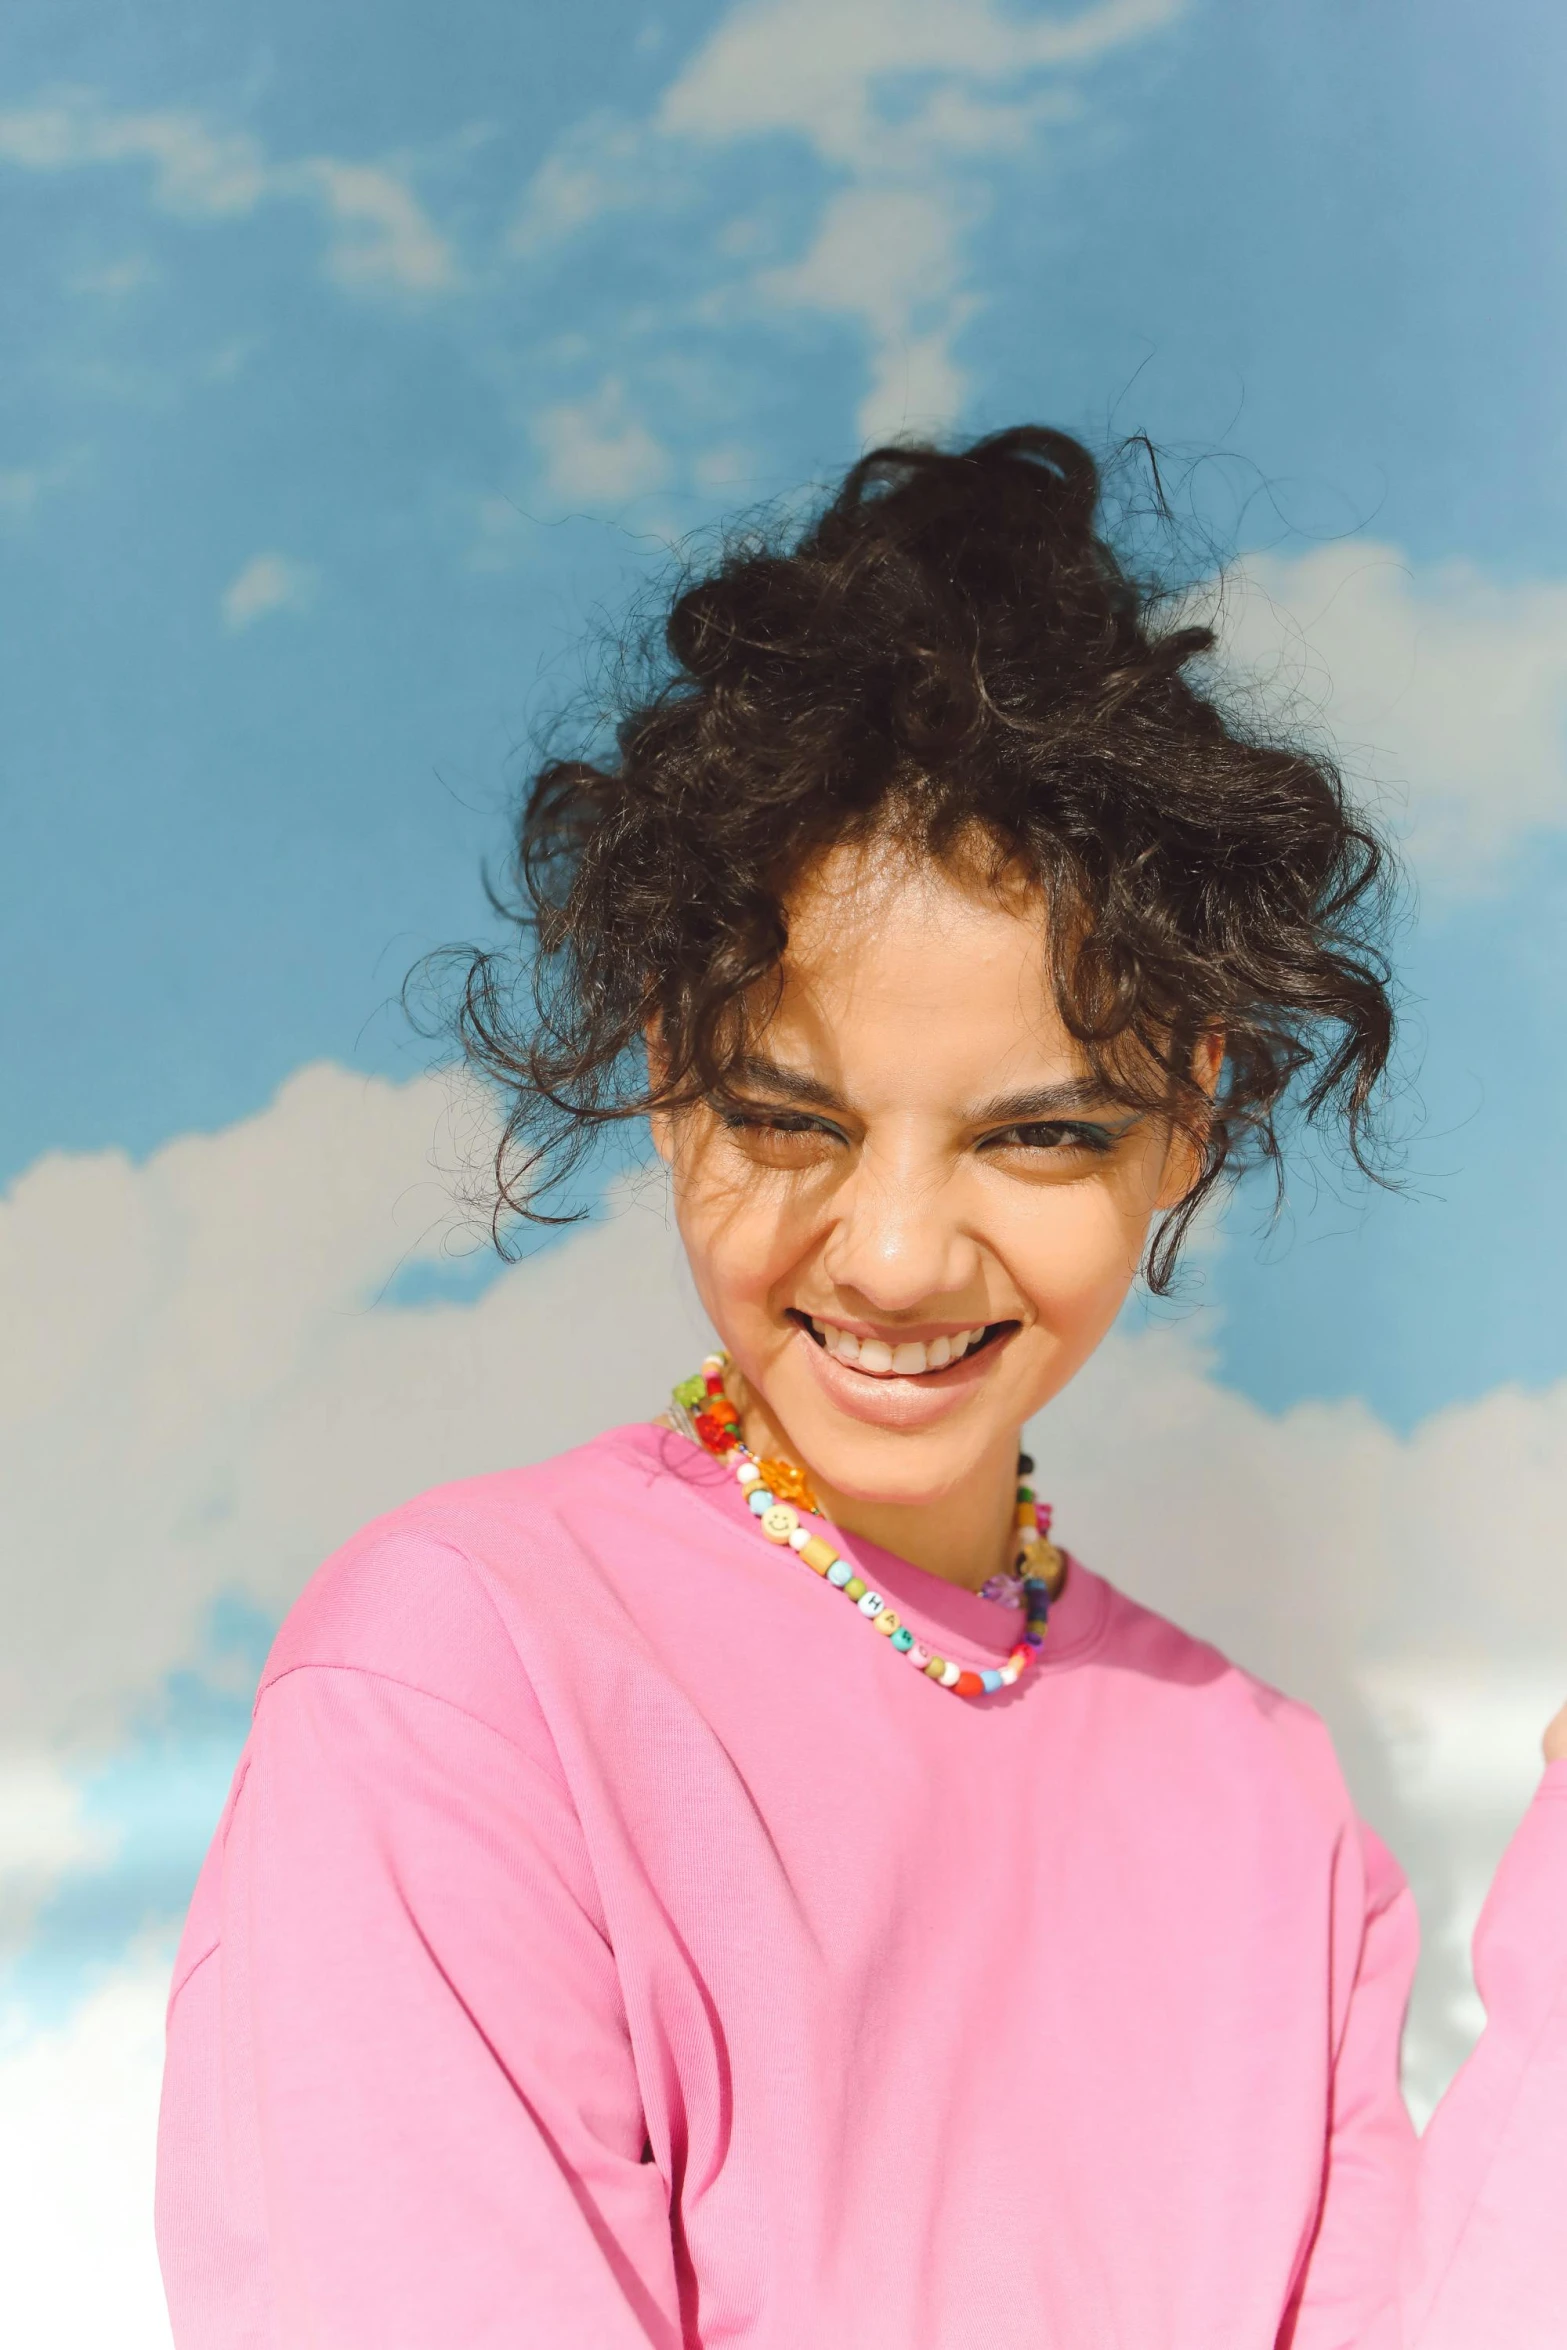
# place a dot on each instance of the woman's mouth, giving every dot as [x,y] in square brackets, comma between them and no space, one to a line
[906,1358]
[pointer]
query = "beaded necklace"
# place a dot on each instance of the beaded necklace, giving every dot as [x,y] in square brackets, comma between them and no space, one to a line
[777,1492]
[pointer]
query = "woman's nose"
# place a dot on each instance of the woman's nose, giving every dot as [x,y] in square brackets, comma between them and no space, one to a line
[897,1241]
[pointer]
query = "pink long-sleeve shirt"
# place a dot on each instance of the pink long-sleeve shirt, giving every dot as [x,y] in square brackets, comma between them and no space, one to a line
[609,1940]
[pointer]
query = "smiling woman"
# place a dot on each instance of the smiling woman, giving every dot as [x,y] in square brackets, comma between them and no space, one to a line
[609,1939]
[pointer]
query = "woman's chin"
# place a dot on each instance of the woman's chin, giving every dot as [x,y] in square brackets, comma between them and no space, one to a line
[854,1430]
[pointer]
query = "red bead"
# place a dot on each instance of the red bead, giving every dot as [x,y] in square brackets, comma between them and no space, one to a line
[968,1685]
[713,1432]
[1021,1655]
[713,1381]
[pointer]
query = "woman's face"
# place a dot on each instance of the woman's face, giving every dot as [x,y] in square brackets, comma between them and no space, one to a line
[924,1217]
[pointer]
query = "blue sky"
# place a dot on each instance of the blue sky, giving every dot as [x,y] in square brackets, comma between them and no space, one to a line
[360,363]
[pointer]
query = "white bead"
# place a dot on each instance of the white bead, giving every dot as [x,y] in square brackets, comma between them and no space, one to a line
[799,1538]
[748,1473]
[870,1603]
[951,1674]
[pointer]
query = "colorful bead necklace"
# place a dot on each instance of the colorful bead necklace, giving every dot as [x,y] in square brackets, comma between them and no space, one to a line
[777,1492]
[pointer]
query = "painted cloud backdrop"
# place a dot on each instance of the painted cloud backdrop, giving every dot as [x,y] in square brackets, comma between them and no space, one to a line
[357,359]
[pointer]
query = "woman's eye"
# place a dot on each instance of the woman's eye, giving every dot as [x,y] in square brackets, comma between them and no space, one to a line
[1060,1138]
[781,1137]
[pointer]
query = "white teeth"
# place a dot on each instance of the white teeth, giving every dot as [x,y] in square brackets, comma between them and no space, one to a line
[908,1359]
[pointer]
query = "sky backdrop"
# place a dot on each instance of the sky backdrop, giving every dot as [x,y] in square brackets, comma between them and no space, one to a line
[359,364]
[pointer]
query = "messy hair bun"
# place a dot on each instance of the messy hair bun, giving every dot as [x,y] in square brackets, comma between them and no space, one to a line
[950,649]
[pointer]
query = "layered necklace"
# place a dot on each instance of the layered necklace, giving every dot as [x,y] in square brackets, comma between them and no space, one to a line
[777,1492]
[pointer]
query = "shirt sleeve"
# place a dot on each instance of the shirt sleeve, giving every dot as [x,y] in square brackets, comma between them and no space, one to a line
[399,2103]
[1456,2238]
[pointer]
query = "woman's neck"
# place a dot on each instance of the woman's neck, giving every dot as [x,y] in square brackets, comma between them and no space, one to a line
[965,1537]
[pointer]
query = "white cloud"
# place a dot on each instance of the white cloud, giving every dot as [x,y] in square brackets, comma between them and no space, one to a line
[45,1834]
[892,257]
[78,2117]
[114,280]
[22,486]
[194,168]
[380,237]
[199,1397]
[596,448]
[900,100]
[599,166]
[267,583]
[383,238]
[902,104]
[822,71]
[1446,688]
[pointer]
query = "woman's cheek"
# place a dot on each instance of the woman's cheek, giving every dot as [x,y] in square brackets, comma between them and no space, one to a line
[1079,1260]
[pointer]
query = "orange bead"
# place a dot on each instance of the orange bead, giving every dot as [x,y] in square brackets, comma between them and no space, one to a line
[818,1554]
[968,1685]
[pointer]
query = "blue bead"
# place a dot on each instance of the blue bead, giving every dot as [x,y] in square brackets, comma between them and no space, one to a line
[903,1638]
[839,1572]
[760,1499]
[992,1680]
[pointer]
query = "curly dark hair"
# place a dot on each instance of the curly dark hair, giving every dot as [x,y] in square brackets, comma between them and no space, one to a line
[950,649]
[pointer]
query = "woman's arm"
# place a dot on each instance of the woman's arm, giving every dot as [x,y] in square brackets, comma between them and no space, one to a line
[1457,2240]
[399,2106]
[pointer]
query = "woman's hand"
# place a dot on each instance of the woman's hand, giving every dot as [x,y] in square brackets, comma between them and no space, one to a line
[1554,1743]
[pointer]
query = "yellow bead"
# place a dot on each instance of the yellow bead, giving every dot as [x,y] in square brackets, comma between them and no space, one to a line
[779,1521]
[818,1554]
[935,1669]
[886,1622]
[856,1587]
[1025,1513]
[1049,1564]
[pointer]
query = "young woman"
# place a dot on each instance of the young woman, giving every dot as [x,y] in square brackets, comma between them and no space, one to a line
[740,1882]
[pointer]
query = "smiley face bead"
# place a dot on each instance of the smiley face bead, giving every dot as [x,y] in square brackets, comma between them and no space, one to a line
[779,1521]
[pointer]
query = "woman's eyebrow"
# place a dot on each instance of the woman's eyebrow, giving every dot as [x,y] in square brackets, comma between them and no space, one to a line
[793,1084]
[1065,1099]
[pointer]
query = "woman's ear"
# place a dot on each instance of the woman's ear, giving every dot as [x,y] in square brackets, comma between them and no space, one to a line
[1184,1159]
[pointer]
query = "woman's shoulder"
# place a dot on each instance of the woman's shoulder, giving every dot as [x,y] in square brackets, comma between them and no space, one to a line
[1205,1710]
[425,1593]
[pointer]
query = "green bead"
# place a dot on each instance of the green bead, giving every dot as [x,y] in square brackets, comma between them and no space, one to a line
[903,1638]
[692,1393]
[855,1588]
[1024,1492]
